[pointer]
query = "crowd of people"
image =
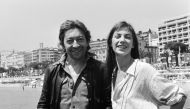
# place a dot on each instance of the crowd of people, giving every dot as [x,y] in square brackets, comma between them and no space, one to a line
[78,81]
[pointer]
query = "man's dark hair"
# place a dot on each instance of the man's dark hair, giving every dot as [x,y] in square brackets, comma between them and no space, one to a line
[71,24]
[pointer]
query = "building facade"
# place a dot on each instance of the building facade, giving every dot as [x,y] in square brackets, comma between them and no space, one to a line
[3,57]
[15,60]
[174,30]
[148,46]
[99,47]
[149,37]
[41,55]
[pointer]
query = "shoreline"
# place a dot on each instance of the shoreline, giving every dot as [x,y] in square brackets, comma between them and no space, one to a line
[17,85]
[10,85]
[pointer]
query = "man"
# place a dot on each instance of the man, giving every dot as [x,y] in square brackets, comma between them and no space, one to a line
[77,81]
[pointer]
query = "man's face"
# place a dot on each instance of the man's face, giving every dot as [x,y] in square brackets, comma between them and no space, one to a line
[75,44]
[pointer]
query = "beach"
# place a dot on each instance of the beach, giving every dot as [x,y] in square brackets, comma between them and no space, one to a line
[14,97]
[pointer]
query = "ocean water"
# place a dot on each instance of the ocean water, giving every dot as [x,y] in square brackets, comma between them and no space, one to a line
[14,97]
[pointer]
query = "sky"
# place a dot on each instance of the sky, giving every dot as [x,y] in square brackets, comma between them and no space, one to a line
[24,24]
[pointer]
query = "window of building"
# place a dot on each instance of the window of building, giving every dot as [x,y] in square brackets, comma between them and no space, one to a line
[174,36]
[160,39]
[185,29]
[170,37]
[186,40]
[160,34]
[180,29]
[160,49]
[169,32]
[174,31]
[180,35]
[185,34]
[181,41]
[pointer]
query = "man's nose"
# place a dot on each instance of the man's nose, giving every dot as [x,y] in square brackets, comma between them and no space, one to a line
[75,44]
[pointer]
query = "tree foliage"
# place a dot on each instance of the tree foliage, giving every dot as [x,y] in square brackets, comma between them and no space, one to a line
[175,47]
[144,54]
[2,70]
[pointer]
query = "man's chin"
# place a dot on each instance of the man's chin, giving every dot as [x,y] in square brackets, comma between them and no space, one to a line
[77,57]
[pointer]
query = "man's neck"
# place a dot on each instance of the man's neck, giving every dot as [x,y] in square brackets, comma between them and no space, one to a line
[77,65]
[76,62]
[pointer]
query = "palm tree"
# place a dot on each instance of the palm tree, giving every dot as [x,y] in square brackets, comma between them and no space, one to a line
[175,47]
[2,70]
[166,54]
[142,53]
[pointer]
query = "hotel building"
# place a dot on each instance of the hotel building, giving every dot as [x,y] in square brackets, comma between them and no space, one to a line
[15,60]
[41,55]
[174,30]
[99,47]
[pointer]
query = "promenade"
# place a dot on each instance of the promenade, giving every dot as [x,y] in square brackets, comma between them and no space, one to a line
[14,97]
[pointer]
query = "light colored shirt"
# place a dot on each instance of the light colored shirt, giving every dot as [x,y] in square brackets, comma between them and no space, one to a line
[144,88]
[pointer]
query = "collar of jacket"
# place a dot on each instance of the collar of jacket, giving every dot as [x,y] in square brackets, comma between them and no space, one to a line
[63,58]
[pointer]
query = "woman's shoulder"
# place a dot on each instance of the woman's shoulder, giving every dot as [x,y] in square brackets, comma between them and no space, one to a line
[145,68]
[143,65]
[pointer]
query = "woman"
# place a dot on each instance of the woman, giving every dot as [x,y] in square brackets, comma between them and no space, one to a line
[135,84]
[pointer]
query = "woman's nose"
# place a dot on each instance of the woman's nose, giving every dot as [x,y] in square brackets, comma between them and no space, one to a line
[122,38]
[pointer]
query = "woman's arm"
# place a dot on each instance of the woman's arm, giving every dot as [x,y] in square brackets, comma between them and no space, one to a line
[180,104]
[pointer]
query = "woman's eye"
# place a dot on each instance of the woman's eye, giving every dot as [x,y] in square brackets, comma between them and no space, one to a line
[128,36]
[117,36]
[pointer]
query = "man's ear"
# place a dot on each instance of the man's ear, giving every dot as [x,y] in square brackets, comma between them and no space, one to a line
[61,46]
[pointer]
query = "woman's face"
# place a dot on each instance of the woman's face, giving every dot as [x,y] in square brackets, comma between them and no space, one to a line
[122,42]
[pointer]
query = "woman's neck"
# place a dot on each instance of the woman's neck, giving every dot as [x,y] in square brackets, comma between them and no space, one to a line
[123,62]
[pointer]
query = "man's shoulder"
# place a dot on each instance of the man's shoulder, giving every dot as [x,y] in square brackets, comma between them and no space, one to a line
[53,66]
[95,62]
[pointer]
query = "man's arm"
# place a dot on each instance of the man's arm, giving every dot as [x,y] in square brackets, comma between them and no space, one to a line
[106,88]
[43,102]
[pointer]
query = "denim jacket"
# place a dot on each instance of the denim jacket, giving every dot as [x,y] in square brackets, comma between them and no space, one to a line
[98,86]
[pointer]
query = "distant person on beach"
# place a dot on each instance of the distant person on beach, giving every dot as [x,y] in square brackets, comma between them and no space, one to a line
[23,87]
[135,84]
[77,80]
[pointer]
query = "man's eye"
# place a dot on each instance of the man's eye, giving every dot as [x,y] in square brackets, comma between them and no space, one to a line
[70,41]
[80,39]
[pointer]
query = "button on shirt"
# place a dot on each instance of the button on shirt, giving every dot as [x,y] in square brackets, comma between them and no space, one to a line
[143,88]
[74,92]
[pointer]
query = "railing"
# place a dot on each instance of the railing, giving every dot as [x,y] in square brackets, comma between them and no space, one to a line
[182,75]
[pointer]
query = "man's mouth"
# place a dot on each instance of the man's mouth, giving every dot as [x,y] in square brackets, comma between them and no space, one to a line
[76,50]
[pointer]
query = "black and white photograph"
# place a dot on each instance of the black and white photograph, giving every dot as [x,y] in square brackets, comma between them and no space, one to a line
[94,54]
